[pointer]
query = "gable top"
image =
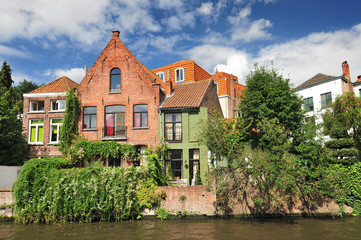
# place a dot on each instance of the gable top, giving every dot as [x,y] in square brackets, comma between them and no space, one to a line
[187,95]
[119,47]
[317,79]
[62,84]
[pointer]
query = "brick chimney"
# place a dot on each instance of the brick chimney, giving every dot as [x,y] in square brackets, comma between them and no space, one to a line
[168,88]
[346,70]
[115,34]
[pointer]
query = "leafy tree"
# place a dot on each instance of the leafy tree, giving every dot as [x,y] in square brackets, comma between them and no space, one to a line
[13,147]
[5,76]
[269,97]
[343,124]
[24,87]
[69,129]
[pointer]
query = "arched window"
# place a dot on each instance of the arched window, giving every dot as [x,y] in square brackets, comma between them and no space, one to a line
[115,80]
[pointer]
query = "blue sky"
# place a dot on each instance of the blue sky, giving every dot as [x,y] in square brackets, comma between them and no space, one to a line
[43,40]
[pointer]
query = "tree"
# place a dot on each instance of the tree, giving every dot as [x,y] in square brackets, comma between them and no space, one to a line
[343,124]
[269,97]
[5,76]
[69,129]
[13,147]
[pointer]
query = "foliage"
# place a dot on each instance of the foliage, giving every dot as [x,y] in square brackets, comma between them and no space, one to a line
[155,163]
[162,214]
[170,173]
[48,190]
[198,180]
[24,87]
[269,97]
[5,76]
[13,146]
[69,129]
[342,123]
[224,137]
[83,150]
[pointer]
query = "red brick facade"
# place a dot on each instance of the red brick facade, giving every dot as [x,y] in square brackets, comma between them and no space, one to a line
[138,85]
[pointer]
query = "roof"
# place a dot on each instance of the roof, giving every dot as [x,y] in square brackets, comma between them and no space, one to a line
[318,78]
[61,84]
[187,95]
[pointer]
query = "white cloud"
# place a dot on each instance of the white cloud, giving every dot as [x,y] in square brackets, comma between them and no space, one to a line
[257,30]
[75,74]
[177,22]
[321,52]
[80,21]
[206,8]
[243,14]
[169,4]
[12,52]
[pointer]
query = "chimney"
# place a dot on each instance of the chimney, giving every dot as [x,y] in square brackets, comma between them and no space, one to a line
[168,88]
[216,73]
[346,70]
[85,69]
[115,34]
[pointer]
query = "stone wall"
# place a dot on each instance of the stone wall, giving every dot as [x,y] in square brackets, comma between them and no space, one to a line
[5,199]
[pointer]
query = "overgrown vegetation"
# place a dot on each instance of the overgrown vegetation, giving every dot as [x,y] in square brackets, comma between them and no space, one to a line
[69,129]
[51,190]
[274,157]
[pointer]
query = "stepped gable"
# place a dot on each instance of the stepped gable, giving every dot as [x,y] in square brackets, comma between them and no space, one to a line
[187,95]
[62,84]
[318,78]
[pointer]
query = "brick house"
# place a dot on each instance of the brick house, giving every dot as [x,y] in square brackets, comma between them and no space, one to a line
[185,106]
[185,71]
[44,109]
[120,98]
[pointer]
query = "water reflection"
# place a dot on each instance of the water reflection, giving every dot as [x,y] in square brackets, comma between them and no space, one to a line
[296,228]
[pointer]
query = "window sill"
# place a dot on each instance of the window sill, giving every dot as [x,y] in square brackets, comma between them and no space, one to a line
[53,143]
[171,141]
[139,128]
[36,112]
[110,138]
[56,111]
[89,129]
[36,144]
[114,92]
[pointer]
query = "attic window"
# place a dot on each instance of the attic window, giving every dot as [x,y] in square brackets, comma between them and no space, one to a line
[36,106]
[161,75]
[179,75]
[58,105]
[115,80]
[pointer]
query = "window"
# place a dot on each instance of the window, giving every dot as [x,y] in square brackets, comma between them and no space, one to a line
[57,105]
[173,126]
[179,75]
[115,80]
[55,124]
[308,104]
[140,116]
[36,106]
[359,92]
[161,75]
[115,120]
[193,165]
[175,162]
[90,118]
[326,99]
[217,85]
[36,129]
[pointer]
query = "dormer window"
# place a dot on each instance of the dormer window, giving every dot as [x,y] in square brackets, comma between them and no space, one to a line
[179,75]
[58,105]
[115,80]
[161,75]
[36,106]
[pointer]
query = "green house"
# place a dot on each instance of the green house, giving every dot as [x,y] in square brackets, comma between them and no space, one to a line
[181,114]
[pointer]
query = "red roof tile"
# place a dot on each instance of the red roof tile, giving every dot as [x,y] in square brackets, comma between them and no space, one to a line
[187,95]
[61,84]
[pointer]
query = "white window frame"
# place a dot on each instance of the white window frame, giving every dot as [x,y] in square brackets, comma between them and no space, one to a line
[52,125]
[161,75]
[217,85]
[57,103]
[36,130]
[31,105]
[181,70]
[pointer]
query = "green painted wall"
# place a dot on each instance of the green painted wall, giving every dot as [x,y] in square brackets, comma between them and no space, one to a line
[190,131]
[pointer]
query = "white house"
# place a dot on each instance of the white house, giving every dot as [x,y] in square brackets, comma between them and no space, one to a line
[357,86]
[321,90]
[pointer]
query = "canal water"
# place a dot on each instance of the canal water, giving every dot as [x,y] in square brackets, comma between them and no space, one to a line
[270,229]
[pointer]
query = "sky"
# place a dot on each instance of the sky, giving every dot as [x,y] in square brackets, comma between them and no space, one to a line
[42,40]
